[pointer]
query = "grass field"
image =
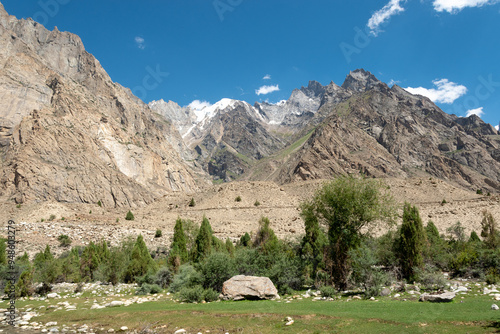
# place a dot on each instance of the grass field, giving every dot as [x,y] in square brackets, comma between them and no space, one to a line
[472,314]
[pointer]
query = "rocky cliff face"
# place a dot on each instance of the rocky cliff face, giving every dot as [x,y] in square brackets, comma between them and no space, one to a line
[68,133]
[389,132]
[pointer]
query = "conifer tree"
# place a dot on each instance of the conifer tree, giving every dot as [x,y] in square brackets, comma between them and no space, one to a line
[178,249]
[204,240]
[140,262]
[411,242]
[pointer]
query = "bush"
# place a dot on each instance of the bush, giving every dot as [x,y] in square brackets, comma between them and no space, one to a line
[192,202]
[192,295]
[210,295]
[99,203]
[146,289]
[328,291]
[257,203]
[492,279]
[238,199]
[129,216]
[64,240]
[187,277]
[479,191]
[163,277]
[216,269]
[158,234]
[431,278]
[44,289]
[52,217]
[245,240]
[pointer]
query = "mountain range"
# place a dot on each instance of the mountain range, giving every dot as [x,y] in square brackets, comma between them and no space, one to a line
[69,133]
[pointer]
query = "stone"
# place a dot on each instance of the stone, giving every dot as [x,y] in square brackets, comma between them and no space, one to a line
[52,295]
[440,298]
[115,303]
[180,331]
[51,323]
[385,292]
[494,307]
[249,287]
[123,328]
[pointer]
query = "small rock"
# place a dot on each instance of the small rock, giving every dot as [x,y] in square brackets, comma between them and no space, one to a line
[111,330]
[124,328]
[289,323]
[51,323]
[180,331]
[494,307]
[397,295]
[356,297]
[385,292]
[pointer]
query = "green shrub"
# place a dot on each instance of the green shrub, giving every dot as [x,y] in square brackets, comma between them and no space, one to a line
[216,269]
[245,240]
[18,206]
[431,278]
[187,277]
[64,240]
[192,295]
[479,191]
[158,234]
[192,203]
[210,295]
[52,217]
[492,279]
[256,203]
[146,289]
[99,203]
[238,199]
[443,202]
[163,277]
[328,291]
[129,216]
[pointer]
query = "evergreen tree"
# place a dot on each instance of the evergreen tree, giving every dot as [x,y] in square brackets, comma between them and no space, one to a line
[265,239]
[140,262]
[411,242]
[229,246]
[178,250]
[474,237]
[24,286]
[489,230]
[89,262]
[245,240]
[3,252]
[204,241]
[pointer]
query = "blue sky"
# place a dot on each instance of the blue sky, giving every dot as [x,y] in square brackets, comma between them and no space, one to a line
[448,50]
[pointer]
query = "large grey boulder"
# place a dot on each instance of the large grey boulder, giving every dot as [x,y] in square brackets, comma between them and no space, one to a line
[249,287]
[441,298]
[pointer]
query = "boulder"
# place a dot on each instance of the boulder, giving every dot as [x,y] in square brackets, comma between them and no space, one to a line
[440,298]
[494,307]
[249,287]
[385,292]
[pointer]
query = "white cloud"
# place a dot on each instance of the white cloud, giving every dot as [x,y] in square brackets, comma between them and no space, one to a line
[445,91]
[393,82]
[384,14]
[478,112]
[267,89]
[497,127]
[267,77]
[199,105]
[140,42]
[454,6]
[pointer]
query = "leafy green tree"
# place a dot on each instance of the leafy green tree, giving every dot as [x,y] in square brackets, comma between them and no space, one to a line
[70,267]
[347,205]
[141,261]
[216,269]
[411,242]
[313,243]
[204,241]
[437,250]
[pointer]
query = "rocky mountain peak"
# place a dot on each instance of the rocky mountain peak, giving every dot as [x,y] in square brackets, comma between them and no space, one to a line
[313,89]
[360,81]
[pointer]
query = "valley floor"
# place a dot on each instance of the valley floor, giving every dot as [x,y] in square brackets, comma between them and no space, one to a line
[103,309]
